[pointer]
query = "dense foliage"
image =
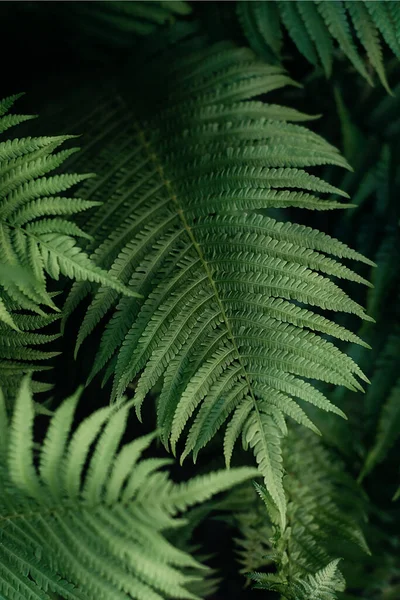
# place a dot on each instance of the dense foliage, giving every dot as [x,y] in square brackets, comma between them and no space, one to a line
[199,249]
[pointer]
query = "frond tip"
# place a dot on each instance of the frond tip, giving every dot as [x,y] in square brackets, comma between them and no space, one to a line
[227,324]
[325,512]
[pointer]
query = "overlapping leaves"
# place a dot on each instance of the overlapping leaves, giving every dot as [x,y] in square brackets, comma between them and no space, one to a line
[316,27]
[90,521]
[37,240]
[188,176]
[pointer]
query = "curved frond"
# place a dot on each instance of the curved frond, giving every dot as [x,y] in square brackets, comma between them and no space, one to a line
[28,193]
[229,292]
[98,532]
[35,243]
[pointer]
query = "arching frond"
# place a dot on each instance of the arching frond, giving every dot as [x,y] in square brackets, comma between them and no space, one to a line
[326,509]
[32,236]
[224,287]
[325,501]
[96,531]
[36,241]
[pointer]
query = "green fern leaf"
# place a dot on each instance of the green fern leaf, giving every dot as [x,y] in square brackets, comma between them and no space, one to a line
[96,532]
[325,508]
[34,242]
[293,22]
[16,344]
[6,317]
[20,454]
[262,28]
[369,36]
[26,193]
[317,31]
[221,283]
[261,434]
[316,26]
[384,16]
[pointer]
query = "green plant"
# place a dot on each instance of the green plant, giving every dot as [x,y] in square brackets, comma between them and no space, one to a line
[200,272]
[35,241]
[317,26]
[218,278]
[92,534]
[326,511]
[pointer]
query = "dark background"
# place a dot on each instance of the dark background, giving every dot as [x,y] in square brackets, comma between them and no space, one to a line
[50,57]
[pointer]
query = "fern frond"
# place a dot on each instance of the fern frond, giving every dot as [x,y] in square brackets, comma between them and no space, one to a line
[321,585]
[27,194]
[97,532]
[368,34]
[222,284]
[261,24]
[35,242]
[325,509]
[243,509]
[17,357]
[322,493]
[316,27]
[6,317]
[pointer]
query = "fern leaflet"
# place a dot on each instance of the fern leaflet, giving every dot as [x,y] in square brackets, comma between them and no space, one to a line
[95,531]
[223,323]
